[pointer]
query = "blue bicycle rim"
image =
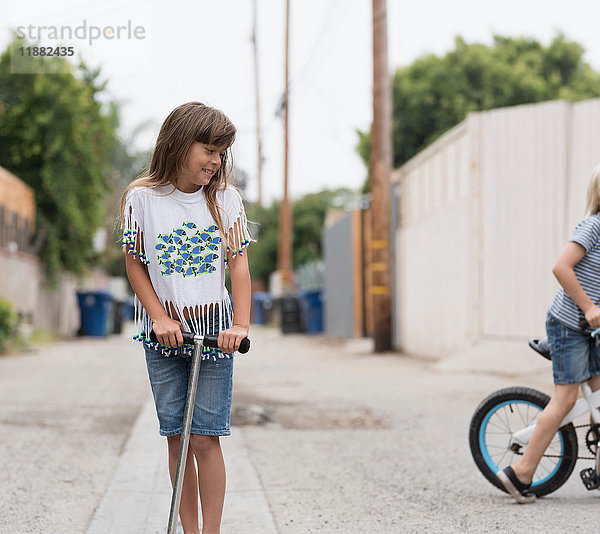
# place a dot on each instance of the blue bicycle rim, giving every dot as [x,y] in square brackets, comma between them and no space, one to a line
[488,459]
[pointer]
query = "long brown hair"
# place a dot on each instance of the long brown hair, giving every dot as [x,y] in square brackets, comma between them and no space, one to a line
[187,123]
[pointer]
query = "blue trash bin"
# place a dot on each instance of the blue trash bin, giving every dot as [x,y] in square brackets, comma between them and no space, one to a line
[128,309]
[95,307]
[262,304]
[312,311]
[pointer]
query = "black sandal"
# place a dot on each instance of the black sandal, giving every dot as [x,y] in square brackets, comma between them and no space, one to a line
[519,491]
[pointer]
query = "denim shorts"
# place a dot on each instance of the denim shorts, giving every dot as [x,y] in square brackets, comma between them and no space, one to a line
[169,381]
[574,359]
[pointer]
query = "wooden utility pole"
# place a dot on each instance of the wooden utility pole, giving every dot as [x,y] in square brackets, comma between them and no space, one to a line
[257,94]
[381,164]
[285,215]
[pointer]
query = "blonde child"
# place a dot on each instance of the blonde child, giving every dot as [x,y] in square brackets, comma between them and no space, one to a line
[573,360]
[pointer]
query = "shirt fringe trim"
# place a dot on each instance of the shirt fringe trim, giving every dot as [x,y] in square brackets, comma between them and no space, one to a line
[238,236]
[203,320]
[132,242]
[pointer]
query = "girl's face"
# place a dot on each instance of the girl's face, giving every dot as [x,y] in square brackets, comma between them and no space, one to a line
[201,164]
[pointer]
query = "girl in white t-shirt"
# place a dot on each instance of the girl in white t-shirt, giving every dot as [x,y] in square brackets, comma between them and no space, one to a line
[183,224]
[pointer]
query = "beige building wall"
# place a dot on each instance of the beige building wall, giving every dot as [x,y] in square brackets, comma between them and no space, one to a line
[482,215]
[23,282]
[16,196]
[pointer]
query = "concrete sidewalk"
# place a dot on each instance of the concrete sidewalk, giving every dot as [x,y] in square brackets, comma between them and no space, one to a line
[138,497]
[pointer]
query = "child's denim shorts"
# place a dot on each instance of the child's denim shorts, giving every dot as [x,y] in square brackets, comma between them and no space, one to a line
[169,377]
[573,359]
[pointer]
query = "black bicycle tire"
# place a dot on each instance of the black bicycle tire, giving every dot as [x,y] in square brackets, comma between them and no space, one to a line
[568,434]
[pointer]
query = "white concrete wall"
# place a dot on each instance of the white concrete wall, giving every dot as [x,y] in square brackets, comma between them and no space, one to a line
[483,214]
[432,247]
[433,281]
[583,157]
[523,174]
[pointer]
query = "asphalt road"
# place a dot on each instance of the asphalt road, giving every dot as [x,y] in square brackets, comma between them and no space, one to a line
[66,410]
[361,443]
[342,440]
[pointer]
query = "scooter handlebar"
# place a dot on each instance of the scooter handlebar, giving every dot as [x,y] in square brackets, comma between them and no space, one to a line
[210,340]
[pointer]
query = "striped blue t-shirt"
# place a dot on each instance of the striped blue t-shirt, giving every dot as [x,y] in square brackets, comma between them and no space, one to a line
[564,309]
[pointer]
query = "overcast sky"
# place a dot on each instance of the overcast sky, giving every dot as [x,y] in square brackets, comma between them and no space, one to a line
[201,50]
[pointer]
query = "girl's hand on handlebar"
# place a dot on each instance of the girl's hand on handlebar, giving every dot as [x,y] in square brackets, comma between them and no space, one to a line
[168,332]
[230,339]
[592,316]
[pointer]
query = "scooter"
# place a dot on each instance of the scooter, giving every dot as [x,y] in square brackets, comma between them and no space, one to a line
[199,342]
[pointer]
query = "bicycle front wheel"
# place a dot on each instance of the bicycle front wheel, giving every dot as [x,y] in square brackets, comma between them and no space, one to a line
[495,421]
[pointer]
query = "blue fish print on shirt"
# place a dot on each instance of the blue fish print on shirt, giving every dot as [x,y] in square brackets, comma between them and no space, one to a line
[180,251]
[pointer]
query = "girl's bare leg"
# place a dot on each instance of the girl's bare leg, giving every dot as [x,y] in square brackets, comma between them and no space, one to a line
[188,508]
[594,383]
[547,425]
[211,480]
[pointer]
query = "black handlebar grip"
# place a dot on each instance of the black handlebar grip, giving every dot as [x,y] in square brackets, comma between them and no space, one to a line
[188,338]
[585,326]
[209,341]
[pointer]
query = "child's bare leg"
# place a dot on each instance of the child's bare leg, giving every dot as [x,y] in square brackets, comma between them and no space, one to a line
[188,508]
[211,480]
[594,383]
[547,425]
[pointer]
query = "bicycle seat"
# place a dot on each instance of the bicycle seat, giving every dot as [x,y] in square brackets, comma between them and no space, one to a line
[541,346]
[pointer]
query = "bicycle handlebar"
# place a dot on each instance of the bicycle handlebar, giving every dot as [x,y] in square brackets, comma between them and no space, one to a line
[210,340]
[587,329]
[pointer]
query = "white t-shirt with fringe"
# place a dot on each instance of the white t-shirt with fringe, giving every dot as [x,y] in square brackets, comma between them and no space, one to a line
[178,240]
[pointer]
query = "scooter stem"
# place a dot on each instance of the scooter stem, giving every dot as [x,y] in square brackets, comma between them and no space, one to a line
[185,434]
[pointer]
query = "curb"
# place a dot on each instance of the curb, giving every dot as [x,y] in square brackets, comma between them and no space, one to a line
[138,498]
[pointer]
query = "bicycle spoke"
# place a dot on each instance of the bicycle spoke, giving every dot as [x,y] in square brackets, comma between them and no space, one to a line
[523,419]
[497,447]
[498,421]
[546,467]
[497,458]
[504,411]
[554,447]
[496,425]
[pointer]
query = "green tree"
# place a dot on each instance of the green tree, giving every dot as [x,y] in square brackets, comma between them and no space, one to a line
[263,224]
[308,222]
[56,135]
[435,93]
[127,164]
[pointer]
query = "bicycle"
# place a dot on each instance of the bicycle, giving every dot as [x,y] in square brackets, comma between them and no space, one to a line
[503,424]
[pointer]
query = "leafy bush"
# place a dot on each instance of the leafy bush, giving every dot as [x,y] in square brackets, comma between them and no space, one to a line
[8,324]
